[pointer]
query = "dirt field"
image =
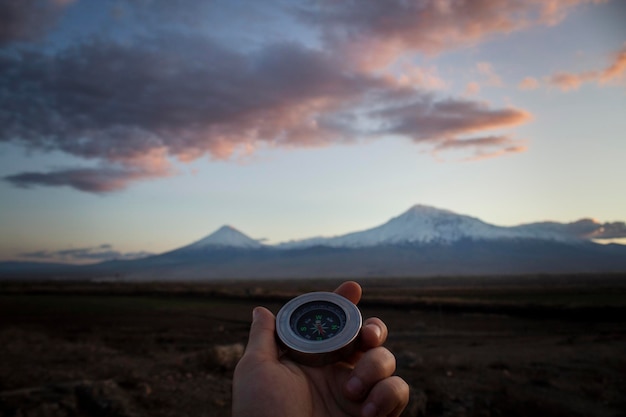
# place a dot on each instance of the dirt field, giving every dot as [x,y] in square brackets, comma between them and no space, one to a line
[532,346]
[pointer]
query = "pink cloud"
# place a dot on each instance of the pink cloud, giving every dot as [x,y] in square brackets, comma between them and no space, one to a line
[528,83]
[410,75]
[616,69]
[567,81]
[614,72]
[490,75]
[375,33]
[449,125]
[430,120]
[472,88]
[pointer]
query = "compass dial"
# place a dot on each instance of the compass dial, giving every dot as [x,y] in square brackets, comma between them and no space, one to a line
[318,328]
[318,320]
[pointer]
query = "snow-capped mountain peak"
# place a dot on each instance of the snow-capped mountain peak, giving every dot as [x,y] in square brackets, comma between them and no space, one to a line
[226,237]
[423,210]
[425,224]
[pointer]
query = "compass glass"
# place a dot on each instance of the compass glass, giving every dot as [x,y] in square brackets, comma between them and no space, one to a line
[318,320]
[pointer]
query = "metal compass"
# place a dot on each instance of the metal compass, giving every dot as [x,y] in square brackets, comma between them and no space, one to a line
[318,328]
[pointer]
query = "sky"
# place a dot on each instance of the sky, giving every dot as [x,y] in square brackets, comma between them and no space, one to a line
[133,127]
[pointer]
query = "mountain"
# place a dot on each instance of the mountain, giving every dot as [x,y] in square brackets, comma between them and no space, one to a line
[423,241]
[428,225]
[224,237]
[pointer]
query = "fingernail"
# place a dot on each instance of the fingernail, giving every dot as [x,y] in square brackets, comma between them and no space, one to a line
[370,410]
[376,330]
[355,386]
[255,313]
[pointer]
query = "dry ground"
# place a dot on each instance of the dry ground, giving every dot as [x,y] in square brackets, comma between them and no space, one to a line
[537,346]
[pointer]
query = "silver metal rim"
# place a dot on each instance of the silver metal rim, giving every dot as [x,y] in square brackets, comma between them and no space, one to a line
[347,335]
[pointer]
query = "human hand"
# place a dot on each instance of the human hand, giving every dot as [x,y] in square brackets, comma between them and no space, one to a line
[266,384]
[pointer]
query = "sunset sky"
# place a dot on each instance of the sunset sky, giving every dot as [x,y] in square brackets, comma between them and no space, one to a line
[137,126]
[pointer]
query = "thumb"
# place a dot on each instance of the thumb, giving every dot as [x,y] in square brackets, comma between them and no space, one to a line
[262,341]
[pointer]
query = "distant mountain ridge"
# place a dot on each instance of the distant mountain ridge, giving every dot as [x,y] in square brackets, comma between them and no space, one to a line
[418,225]
[421,241]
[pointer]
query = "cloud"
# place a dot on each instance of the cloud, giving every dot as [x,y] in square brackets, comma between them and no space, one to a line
[472,88]
[592,229]
[528,83]
[614,72]
[415,76]
[612,230]
[172,96]
[616,69]
[95,180]
[134,107]
[447,125]
[483,147]
[567,81]
[491,77]
[488,77]
[376,32]
[99,253]
[430,120]
[28,20]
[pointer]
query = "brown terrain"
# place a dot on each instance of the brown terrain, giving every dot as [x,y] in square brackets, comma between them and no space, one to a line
[511,346]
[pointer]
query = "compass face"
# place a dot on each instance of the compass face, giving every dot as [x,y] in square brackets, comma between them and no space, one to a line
[318,320]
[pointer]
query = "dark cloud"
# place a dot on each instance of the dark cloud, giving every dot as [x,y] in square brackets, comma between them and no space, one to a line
[475,142]
[589,229]
[592,229]
[28,20]
[133,106]
[95,180]
[103,252]
[186,94]
[614,230]
[483,147]
[443,121]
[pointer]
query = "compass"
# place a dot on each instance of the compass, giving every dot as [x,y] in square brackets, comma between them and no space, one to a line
[318,328]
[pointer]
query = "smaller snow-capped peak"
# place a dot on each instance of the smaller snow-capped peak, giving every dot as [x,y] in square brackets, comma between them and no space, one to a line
[226,237]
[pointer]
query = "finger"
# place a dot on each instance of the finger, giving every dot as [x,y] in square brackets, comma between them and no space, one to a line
[350,290]
[261,341]
[388,398]
[375,365]
[373,333]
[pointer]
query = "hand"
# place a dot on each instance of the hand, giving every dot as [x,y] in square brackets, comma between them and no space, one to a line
[268,385]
